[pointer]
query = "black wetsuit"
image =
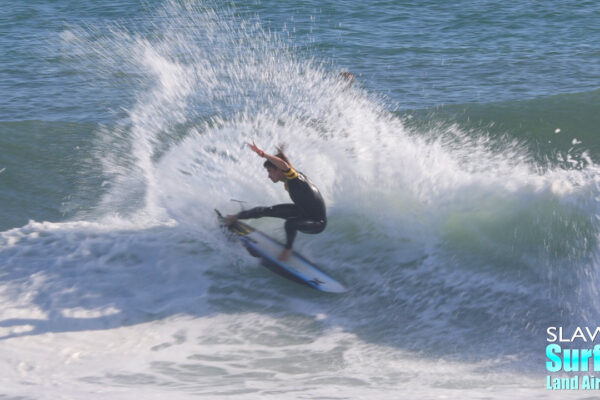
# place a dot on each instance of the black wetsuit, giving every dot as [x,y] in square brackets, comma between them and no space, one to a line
[307,214]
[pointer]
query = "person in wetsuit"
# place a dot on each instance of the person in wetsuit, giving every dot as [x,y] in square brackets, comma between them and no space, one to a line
[307,214]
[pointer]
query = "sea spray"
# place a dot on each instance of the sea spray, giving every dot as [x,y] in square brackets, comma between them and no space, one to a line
[441,234]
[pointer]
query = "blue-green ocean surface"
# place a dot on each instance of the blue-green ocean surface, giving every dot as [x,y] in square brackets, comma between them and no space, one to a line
[460,172]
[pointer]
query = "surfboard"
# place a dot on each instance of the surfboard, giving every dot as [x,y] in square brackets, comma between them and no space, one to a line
[297,269]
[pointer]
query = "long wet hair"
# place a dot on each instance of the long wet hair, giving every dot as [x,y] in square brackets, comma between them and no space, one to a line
[280,154]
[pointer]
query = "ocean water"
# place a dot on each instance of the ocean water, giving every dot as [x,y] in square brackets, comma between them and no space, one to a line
[460,173]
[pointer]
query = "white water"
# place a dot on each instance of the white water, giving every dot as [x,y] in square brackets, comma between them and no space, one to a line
[146,297]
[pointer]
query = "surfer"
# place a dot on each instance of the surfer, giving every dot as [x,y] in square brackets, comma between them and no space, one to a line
[347,78]
[307,213]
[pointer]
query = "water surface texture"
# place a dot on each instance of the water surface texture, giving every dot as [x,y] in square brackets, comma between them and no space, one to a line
[460,173]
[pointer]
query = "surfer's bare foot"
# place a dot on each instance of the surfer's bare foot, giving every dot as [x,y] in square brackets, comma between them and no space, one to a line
[285,255]
[230,219]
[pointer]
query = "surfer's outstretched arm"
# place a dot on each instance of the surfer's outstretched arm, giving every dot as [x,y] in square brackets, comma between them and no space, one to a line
[278,162]
[279,211]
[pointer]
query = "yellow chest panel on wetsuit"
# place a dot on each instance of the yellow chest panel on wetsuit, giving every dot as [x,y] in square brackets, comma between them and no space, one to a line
[304,194]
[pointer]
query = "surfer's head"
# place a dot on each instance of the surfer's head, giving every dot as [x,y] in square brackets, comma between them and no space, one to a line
[347,79]
[275,174]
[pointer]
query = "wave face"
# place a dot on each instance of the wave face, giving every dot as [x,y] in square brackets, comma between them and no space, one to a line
[462,232]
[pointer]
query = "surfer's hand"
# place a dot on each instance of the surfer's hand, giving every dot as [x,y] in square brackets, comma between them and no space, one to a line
[256,149]
[230,219]
[285,255]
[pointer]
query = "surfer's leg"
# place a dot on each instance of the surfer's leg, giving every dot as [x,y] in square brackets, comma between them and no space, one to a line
[295,224]
[311,225]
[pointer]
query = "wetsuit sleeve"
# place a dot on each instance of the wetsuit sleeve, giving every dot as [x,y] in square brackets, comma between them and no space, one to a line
[256,212]
[278,211]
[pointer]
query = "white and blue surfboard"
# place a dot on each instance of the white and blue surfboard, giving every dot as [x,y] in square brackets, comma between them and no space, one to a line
[297,269]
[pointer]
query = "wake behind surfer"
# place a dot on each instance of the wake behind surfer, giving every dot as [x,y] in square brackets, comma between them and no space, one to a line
[307,212]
